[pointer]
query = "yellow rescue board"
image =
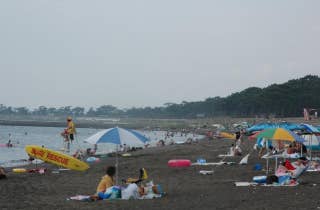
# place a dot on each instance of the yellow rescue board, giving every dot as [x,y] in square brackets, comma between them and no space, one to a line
[56,158]
[226,135]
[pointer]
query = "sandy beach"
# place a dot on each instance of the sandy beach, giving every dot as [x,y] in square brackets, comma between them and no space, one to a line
[185,187]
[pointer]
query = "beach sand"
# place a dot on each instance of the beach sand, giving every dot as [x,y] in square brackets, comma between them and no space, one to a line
[185,187]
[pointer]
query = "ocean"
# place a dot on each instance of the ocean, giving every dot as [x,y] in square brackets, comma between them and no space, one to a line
[50,137]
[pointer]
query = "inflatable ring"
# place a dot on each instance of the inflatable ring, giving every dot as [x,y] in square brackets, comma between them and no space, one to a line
[179,163]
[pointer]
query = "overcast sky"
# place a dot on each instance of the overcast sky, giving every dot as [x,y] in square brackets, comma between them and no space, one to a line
[150,52]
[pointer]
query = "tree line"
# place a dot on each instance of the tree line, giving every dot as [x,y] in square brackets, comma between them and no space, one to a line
[280,100]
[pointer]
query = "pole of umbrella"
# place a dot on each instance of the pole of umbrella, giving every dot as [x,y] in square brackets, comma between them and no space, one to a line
[310,148]
[117,170]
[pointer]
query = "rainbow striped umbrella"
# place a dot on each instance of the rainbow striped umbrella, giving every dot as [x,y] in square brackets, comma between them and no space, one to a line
[280,134]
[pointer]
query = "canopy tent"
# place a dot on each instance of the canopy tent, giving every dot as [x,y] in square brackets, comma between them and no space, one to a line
[263,126]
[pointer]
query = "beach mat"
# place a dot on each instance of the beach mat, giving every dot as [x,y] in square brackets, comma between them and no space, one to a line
[213,164]
[225,155]
[246,184]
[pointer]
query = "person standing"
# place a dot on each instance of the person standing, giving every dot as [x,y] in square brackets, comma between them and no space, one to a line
[71,129]
[69,133]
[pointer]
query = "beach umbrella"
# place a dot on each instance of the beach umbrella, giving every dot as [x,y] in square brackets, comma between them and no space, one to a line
[118,136]
[254,135]
[280,134]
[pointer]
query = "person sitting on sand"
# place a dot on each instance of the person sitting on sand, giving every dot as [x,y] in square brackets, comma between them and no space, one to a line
[287,173]
[106,181]
[2,173]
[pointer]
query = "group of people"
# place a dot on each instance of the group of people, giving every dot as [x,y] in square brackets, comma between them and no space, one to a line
[288,172]
[106,188]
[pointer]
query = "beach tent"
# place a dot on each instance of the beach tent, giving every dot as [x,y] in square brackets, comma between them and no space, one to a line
[312,136]
[310,129]
[312,142]
[118,136]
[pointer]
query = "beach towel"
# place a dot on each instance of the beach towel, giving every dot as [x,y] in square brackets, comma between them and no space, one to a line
[226,155]
[213,163]
[204,172]
[132,191]
[80,198]
[246,184]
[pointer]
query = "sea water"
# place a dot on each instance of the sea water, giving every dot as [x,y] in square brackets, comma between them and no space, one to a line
[50,137]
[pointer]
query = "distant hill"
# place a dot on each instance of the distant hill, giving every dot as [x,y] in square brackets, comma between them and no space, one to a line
[280,100]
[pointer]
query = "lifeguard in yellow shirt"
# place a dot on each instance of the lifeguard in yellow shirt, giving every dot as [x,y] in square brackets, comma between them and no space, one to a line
[71,129]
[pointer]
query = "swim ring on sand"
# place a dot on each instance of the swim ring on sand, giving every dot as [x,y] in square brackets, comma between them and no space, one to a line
[179,163]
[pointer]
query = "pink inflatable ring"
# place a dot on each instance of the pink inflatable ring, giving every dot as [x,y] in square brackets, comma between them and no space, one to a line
[179,163]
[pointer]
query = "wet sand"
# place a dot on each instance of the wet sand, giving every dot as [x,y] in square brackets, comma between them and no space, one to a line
[185,187]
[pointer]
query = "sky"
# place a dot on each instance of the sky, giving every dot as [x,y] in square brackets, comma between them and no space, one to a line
[138,53]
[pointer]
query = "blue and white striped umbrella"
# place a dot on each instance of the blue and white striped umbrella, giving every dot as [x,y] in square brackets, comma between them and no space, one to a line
[118,136]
